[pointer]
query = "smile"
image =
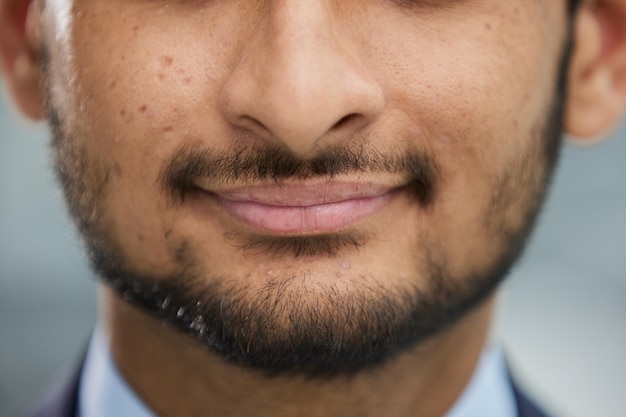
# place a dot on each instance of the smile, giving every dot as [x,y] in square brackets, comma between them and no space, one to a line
[299,209]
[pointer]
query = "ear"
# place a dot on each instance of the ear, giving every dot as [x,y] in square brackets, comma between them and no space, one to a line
[597,82]
[19,55]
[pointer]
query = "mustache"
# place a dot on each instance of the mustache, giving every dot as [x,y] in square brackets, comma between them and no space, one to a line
[253,164]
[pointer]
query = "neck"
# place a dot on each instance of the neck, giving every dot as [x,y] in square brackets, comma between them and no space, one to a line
[175,376]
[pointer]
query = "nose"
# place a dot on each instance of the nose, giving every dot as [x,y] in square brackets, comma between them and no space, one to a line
[298,80]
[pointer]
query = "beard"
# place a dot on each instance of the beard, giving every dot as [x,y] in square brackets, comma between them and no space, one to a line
[291,325]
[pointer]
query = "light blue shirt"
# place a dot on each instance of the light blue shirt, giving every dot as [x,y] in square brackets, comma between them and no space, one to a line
[104,392]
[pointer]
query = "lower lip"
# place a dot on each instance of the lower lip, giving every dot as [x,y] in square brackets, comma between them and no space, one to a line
[311,219]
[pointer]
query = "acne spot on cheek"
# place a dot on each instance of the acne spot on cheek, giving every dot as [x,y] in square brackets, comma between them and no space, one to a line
[166,61]
[140,237]
[168,129]
[488,26]
[143,108]
[161,76]
[128,117]
[112,84]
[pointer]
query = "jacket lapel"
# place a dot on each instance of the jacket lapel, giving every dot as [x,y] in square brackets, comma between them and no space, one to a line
[62,401]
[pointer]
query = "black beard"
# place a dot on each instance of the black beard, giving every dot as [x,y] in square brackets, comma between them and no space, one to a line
[292,327]
[287,328]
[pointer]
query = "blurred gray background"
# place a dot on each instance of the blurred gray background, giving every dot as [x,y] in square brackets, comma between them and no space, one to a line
[563,311]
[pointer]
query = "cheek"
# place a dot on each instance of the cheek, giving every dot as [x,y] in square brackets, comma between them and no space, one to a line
[138,97]
[465,76]
[466,90]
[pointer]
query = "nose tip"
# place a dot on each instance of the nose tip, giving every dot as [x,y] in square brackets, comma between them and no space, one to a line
[300,114]
[296,84]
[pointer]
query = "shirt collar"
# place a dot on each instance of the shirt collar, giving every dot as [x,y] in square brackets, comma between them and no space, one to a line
[103,391]
[489,392]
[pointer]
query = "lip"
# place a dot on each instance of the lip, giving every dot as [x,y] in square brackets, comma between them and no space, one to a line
[304,208]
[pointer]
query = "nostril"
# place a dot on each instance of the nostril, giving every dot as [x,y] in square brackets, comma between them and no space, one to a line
[254,126]
[345,120]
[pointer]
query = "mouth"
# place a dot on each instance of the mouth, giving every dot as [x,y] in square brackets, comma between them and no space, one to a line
[291,209]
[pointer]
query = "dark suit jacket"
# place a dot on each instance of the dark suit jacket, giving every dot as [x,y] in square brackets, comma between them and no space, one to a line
[63,400]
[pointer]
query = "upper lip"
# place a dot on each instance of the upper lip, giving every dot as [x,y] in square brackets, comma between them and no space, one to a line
[300,194]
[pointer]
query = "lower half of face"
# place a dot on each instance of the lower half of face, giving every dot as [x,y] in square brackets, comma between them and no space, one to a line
[321,262]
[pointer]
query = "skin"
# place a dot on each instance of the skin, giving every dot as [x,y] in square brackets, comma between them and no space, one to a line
[134,81]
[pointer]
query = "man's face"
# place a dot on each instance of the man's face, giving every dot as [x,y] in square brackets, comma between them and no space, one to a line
[325,182]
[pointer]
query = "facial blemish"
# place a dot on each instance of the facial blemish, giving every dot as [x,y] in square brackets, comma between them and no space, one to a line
[128,118]
[112,84]
[161,76]
[168,129]
[345,265]
[166,61]
[488,26]
[143,108]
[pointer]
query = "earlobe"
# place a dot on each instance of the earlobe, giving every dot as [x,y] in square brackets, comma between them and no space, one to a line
[597,82]
[18,50]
